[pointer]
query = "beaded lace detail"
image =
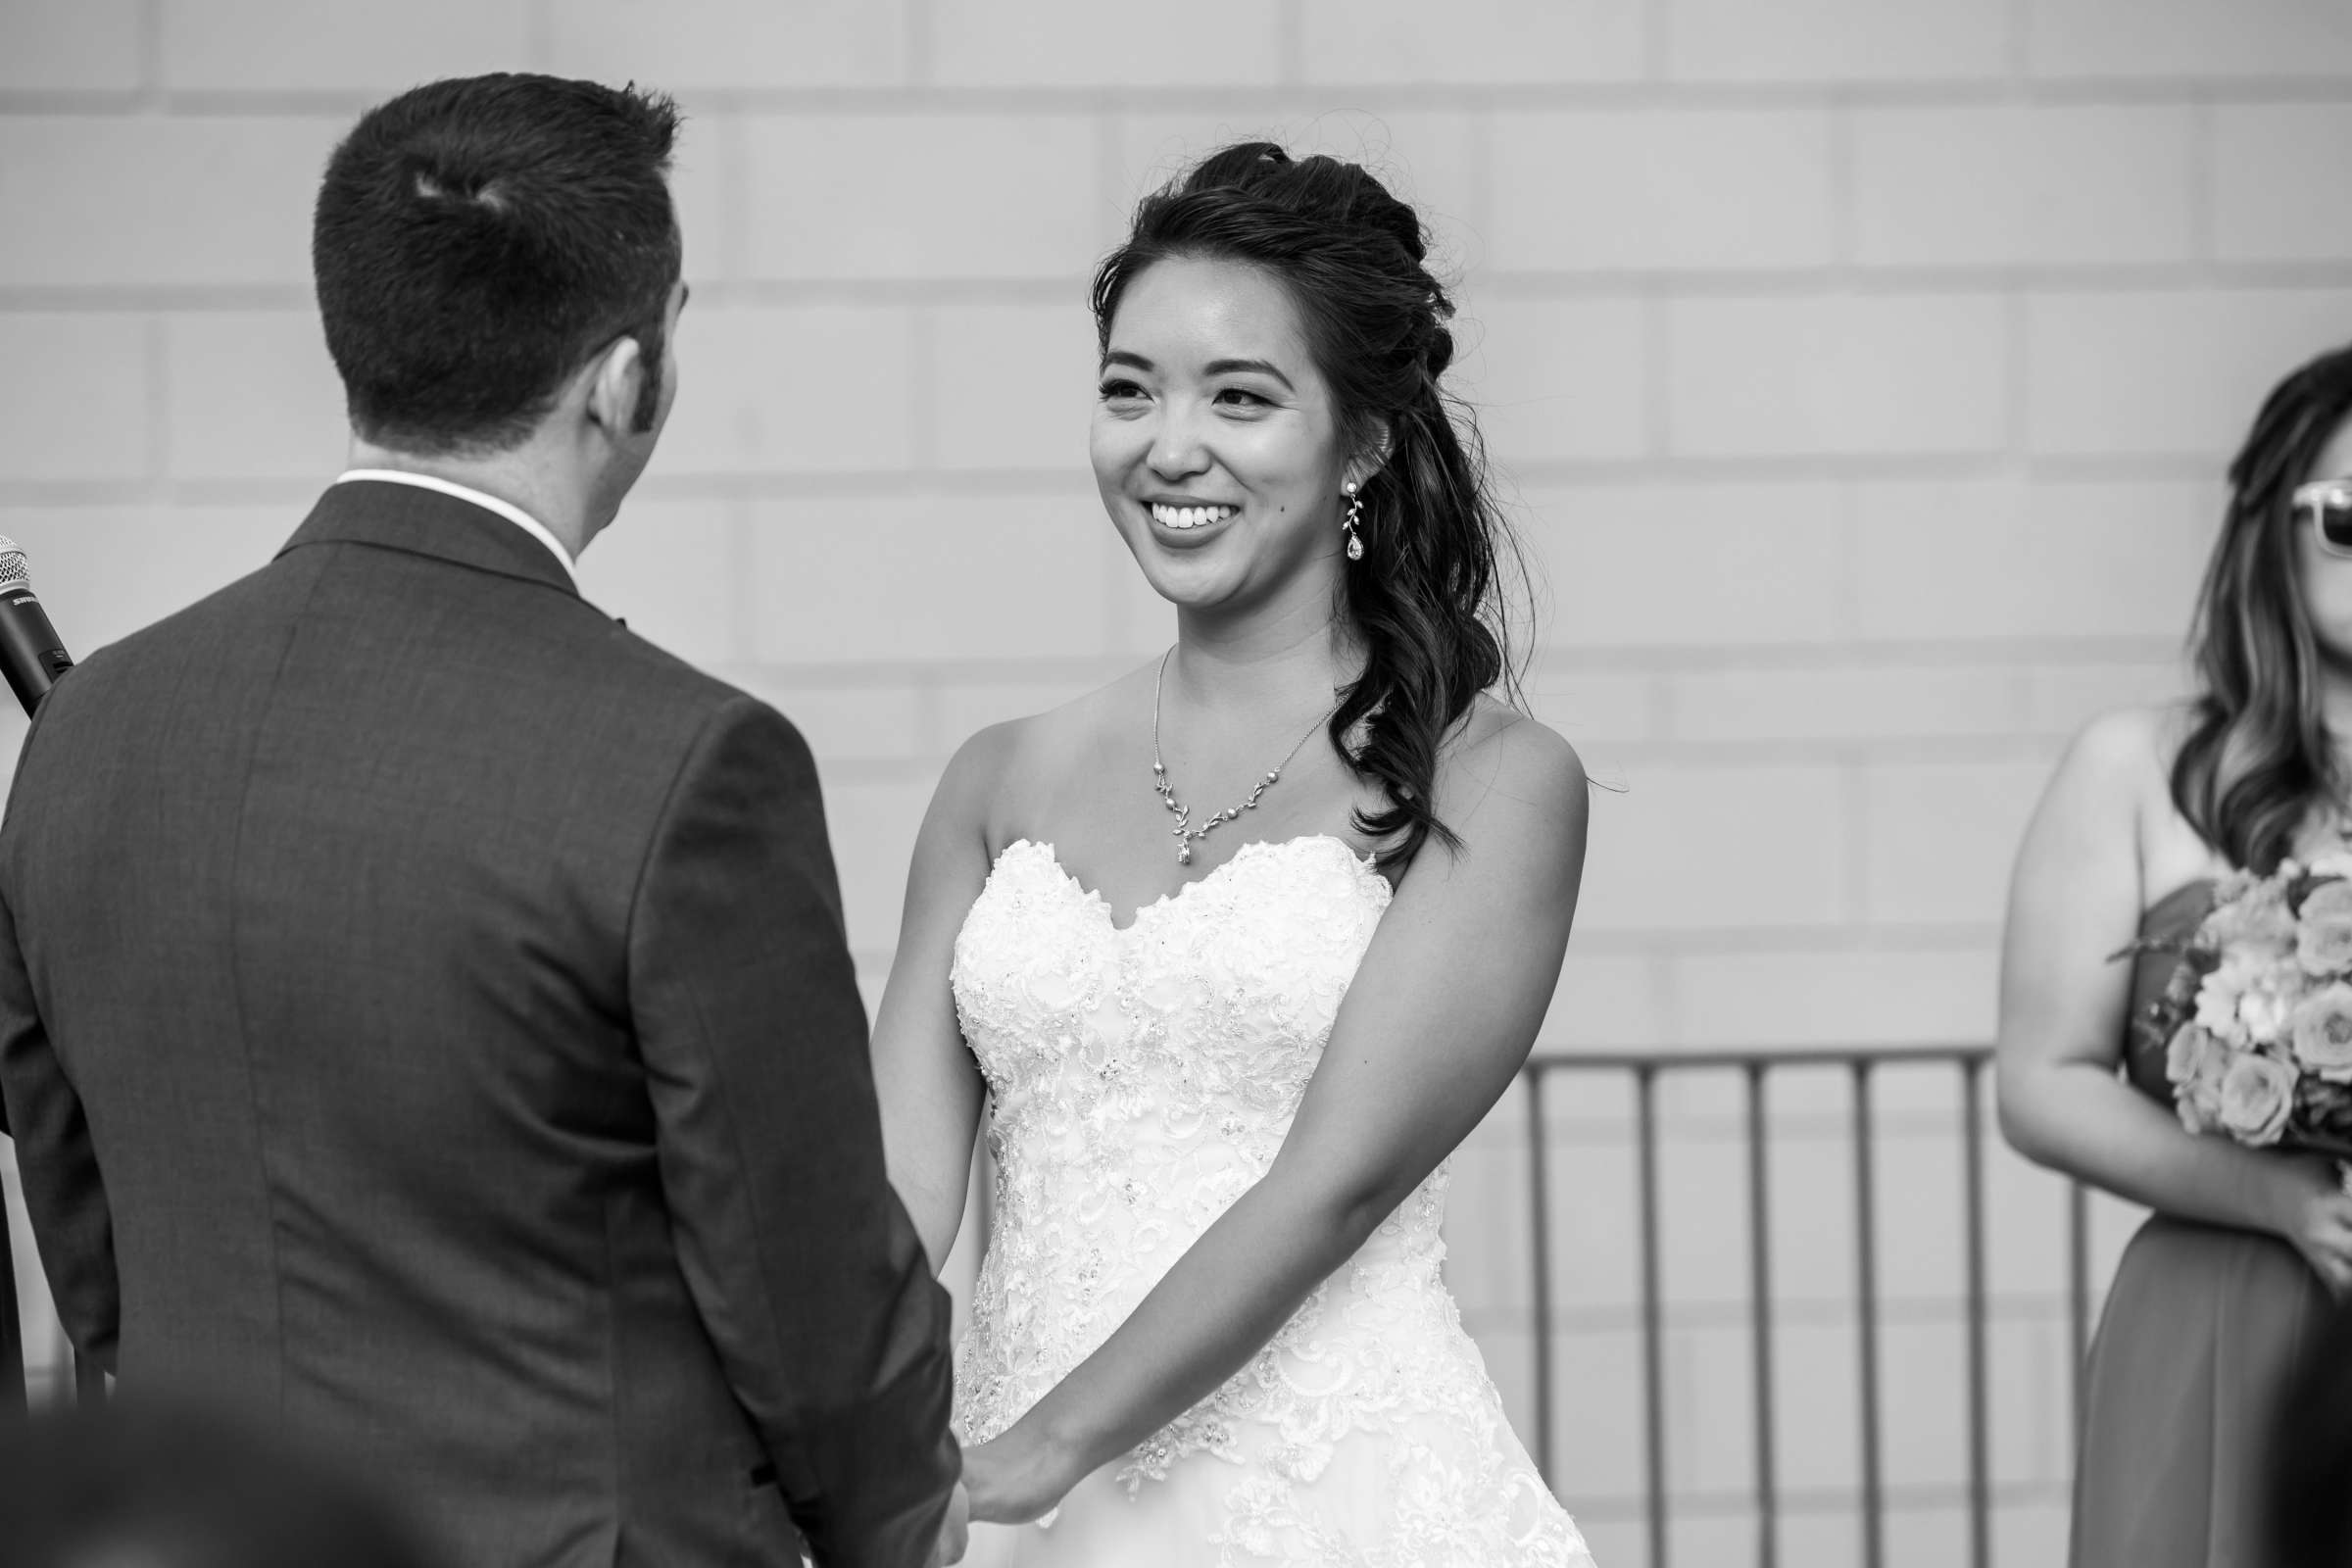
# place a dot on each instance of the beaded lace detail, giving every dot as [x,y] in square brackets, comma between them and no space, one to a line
[1143,1079]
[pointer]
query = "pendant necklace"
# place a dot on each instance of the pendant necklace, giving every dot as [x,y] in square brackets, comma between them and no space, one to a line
[1186,834]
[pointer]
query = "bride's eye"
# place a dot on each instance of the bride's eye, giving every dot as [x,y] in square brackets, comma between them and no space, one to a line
[1237,397]
[1118,389]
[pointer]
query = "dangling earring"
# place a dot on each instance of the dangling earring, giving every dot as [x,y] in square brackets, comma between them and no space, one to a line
[1356,515]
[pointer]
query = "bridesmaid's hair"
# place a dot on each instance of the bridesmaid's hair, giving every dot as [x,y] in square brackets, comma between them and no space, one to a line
[1423,600]
[2258,754]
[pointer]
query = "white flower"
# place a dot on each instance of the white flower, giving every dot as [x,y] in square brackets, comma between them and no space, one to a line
[2194,1057]
[2241,999]
[2218,993]
[2324,934]
[2322,1034]
[2257,1094]
[2264,1014]
[2195,1062]
[2256,923]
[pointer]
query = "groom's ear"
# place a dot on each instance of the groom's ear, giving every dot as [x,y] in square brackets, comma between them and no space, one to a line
[625,391]
[616,386]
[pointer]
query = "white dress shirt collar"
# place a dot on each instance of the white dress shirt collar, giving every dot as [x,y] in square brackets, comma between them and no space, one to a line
[506,509]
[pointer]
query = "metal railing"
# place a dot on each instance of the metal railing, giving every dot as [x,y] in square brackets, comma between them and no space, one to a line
[12,1330]
[1968,1065]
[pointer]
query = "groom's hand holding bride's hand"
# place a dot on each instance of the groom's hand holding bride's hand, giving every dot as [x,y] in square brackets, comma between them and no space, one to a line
[954,1535]
[1013,1481]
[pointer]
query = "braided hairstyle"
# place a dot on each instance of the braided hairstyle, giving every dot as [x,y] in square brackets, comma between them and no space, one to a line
[2258,754]
[1423,600]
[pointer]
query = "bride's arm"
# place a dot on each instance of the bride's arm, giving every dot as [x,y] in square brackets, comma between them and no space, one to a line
[2073,900]
[929,1085]
[1438,1021]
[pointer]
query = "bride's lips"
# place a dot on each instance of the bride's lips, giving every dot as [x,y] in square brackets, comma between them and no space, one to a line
[1189,524]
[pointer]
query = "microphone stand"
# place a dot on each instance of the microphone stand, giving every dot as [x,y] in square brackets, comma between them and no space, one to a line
[32,669]
[11,1327]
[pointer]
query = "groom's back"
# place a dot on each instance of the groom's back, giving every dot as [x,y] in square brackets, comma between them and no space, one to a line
[323,887]
[426,1011]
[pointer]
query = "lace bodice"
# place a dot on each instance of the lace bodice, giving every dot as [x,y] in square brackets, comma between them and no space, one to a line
[1143,1079]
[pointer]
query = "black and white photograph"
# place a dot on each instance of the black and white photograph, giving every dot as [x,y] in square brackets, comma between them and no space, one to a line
[1342,783]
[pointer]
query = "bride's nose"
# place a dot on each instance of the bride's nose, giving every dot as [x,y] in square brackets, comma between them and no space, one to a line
[1177,450]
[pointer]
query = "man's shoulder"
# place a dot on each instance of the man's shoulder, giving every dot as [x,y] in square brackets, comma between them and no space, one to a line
[554,653]
[190,645]
[624,655]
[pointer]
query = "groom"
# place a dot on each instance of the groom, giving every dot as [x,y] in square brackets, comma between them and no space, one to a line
[425,1009]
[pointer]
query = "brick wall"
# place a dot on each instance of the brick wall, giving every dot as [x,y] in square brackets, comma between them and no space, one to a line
[1862,371]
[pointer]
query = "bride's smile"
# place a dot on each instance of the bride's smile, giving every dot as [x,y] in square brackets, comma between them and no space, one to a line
[1215,441]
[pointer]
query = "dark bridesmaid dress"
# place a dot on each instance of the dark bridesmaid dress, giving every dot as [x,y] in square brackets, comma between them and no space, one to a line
[2201,1325]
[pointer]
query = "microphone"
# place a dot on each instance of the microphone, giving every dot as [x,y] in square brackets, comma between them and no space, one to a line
[29,650]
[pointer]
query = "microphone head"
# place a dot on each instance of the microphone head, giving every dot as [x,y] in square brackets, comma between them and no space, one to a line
[14,577]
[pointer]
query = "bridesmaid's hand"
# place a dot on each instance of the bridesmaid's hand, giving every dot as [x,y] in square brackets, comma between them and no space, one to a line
[1013,1479]
[2318,1220]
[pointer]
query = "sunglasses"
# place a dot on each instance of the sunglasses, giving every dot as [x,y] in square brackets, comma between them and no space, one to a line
[2329,505]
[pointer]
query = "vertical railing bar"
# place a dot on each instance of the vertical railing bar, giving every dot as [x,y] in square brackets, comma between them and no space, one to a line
[2078,1294]
[1653,1378]
[1979,1497]
[12,1401]
[89,1381]
[1540,1219]
[1759,1263]
[1865,1293]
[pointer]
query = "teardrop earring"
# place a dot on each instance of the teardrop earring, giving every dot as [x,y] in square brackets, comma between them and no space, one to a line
[1348,523]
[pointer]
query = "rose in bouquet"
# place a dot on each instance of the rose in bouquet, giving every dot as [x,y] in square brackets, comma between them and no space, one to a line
[2254,1028]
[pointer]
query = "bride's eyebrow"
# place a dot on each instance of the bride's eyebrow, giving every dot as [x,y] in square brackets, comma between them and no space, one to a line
[1246,367]
[1135,362]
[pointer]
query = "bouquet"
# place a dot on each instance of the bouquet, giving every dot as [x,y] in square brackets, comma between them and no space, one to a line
[2253,1031]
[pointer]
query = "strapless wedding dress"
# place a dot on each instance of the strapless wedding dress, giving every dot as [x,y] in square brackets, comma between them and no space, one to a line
[1143,1078]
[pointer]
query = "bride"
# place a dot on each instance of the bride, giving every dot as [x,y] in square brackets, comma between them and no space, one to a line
[1241,946]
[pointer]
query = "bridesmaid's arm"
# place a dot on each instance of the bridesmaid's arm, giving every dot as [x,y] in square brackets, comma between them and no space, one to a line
[2075,899]
[1437,1023]
[930,1087]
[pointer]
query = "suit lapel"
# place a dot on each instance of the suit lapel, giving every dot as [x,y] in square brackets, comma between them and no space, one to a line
[426,523]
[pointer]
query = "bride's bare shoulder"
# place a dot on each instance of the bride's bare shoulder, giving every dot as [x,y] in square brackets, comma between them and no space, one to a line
[1006,760]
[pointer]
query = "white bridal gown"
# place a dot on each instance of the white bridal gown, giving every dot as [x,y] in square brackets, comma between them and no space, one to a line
[1143,1080]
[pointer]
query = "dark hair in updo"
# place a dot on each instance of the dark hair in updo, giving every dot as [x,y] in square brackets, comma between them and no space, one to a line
[1421,601]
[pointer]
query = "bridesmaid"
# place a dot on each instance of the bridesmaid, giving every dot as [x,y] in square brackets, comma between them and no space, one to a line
[2221,1289]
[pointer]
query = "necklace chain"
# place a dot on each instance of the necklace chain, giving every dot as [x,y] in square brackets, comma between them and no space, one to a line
[1186,834]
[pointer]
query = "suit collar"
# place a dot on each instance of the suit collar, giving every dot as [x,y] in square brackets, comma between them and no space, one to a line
[430,522]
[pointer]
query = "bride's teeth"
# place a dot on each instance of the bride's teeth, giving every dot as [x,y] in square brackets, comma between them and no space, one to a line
[1188,516]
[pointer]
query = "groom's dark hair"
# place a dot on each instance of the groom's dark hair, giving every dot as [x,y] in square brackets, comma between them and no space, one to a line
[477,240]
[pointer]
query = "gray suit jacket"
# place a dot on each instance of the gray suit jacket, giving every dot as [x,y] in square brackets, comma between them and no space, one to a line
[425,1013]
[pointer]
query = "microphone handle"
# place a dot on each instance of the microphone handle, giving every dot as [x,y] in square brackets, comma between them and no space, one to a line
[30,651]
